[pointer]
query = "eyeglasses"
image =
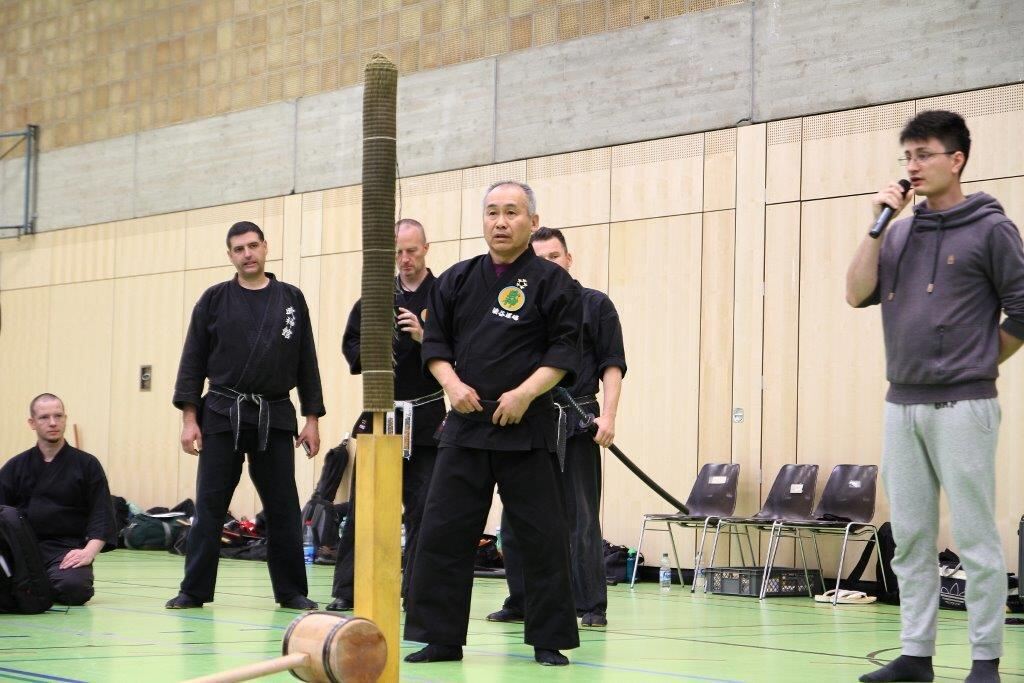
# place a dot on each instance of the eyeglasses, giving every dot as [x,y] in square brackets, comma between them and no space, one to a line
[920,157]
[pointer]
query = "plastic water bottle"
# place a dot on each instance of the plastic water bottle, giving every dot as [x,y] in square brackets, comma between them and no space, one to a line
[630,564]
[665,574]
[497,539]
[308,548]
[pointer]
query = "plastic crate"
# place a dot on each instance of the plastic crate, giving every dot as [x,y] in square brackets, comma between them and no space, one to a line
[746,581]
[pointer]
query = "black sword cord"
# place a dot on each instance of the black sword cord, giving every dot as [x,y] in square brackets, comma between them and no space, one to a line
[587,422]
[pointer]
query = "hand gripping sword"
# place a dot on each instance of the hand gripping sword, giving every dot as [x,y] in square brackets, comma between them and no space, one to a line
[587,422]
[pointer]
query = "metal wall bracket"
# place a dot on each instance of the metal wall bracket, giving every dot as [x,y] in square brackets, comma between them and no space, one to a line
[30,136]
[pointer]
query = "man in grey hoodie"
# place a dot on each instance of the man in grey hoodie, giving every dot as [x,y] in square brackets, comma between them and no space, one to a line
[942,276]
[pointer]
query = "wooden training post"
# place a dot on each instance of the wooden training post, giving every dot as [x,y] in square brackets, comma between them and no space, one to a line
[320,647]
[379,473]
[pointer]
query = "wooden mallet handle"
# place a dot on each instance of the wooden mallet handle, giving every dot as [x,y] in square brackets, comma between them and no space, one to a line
[245,673]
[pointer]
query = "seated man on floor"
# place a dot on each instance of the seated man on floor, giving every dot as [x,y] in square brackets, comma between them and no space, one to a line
[63,493]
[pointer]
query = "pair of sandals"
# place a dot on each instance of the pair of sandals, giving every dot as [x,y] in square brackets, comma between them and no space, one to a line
[845,597]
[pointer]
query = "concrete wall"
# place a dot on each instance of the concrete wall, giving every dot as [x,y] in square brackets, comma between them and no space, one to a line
[761,61]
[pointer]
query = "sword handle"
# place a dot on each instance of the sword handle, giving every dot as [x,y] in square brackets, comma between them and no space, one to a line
[586,419]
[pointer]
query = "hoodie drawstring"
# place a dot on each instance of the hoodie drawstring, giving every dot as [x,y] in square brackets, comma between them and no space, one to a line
[899,259]
[940,233]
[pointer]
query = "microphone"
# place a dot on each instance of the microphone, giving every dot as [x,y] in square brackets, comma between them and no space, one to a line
[887,213]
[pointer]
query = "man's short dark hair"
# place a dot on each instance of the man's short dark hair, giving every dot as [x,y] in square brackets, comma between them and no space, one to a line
[542,233]
[242,227]
[947,127]
[42,397]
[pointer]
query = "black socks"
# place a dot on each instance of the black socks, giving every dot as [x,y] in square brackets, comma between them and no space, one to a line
[436,653]
[984,671]
[550,657]
[904,668]
[453,653]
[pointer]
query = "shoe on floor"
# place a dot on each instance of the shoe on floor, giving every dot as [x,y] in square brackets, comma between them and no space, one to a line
[593,620]
[549,657]
[339,605]
[903,668]
[436,653]
[298,602]
[506,616]
[182,601]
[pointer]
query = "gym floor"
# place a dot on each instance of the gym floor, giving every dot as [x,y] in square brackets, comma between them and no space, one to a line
[125,634]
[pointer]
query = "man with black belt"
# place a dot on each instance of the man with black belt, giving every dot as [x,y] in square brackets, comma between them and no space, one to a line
[602,357]
[502,332]
[63,493]
[418,398]
[252,337]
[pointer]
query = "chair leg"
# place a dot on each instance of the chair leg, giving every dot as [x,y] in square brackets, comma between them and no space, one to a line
[675,553]
[773,545]
[714,549]
[803,560]
[817,556]
[750,547]
[842,558]
[636,560]
[878,550]
[698,556]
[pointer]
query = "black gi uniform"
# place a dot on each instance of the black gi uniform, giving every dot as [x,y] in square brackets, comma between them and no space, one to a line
[254,346]
[67,503]
[496,331]
[601,348]
[411,384]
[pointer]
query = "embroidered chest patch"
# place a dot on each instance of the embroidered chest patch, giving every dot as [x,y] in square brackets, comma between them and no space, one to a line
[511,299]
[289,323]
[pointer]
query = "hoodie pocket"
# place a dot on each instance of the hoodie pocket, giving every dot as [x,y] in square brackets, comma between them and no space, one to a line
[961,348]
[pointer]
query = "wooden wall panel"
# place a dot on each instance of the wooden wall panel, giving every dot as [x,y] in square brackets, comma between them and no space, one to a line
[717,291]
[782,174]
[435,201]
[852,152]
[780,353]
[475,182]
[842,358]
[285,217]
[748,317]
[312,221]
[84,254]
[27,261]
[342,220]
[468,248]
[151,245]
[24,345]
[572,189]
[442,256]
[78,364]
[994,117]
[340,278]
[657,425]
[144,427]
[781,342]
[589,248]
[657,178]
[307,471]
[720,170]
